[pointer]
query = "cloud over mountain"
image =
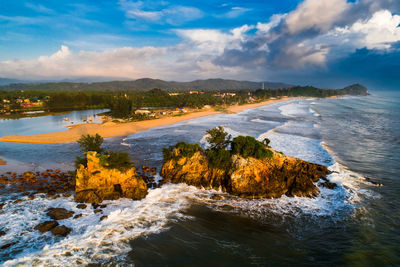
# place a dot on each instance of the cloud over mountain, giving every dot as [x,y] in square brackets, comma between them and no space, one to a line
[309,41]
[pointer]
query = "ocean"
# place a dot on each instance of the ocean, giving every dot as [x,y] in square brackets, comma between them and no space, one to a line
[357,223]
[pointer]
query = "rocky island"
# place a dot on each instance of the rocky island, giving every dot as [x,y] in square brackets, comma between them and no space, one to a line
[249,169]
[95,182]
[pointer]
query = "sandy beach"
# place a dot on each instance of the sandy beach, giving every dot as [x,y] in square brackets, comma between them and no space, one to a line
[111,129]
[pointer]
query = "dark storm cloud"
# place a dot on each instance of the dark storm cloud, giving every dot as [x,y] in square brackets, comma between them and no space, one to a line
[289,46]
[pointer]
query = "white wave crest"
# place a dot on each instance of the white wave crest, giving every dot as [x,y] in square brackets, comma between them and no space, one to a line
[91,240]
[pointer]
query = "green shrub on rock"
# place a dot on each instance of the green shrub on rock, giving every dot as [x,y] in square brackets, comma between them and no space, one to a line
[181,149]
[110,159]
[219,158]
[218,154]
[248,146]
[116,160]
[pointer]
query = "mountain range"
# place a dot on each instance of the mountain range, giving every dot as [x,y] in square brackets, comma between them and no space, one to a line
[140,84]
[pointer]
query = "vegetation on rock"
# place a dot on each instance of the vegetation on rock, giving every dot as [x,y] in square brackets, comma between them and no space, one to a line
[248,146]
[179,150]
[244,167]
[104,174]
[95,182]
[109,159]
[218,138]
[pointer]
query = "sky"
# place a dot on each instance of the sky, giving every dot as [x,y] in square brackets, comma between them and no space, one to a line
[326,43]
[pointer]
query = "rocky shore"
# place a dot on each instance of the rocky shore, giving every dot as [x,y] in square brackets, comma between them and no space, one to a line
[247,177]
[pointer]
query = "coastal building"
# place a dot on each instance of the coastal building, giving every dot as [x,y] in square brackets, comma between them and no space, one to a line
[143,112]
[175,94]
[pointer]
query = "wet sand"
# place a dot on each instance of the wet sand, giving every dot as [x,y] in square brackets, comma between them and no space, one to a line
[111,129]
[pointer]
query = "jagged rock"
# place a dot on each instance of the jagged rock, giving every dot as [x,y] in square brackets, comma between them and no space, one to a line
[81,206]
[28,175]
[7,245]
[194,171]
[97,183]
[2,233]
[77,216]
[61,230]
[103,217]
[328,185]
[46,226]
[216,197]
[59,213]
[248,177]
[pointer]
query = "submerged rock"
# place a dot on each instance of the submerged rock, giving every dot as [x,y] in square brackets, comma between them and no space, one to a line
[81,206]
[248,177]
[46,226]
[328,185]
[61,230]
[97,183]
[59,213]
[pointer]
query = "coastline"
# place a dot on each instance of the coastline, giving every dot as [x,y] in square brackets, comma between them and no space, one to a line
[110,129]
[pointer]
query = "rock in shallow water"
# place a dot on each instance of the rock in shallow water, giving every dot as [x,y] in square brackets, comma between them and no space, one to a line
[81,206]
[61,230]
[97,183]
[46,226]
[59,213]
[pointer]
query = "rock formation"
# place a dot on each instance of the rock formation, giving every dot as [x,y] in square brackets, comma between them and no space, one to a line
[248,177]
[59,213]
[96,183]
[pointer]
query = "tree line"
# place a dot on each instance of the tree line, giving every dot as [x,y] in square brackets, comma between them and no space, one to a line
[123,103]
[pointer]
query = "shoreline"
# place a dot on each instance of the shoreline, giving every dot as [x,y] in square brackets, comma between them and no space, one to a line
[110,129]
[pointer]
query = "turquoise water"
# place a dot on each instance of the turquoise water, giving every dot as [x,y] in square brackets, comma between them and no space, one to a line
[179,225]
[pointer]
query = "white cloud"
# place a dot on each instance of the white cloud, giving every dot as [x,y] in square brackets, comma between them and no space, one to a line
[284,42]
[236,12]
[316,14]
[39,8]
[160,14]
[179,62]
[146,15]
[274,21]
[380,31]
[215,41]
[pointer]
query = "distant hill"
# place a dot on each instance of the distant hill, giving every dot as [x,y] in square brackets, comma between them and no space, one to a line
[356,89]
[5,81]
[148,84]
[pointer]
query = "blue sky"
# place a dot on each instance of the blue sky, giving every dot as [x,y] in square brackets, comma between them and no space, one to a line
[327,43]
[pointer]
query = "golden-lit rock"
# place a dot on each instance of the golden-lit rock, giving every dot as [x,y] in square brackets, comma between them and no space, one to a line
[248,177]
[96,183]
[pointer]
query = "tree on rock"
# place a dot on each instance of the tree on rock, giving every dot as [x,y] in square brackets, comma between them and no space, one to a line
[218,138]
[88,143]
[91,143]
